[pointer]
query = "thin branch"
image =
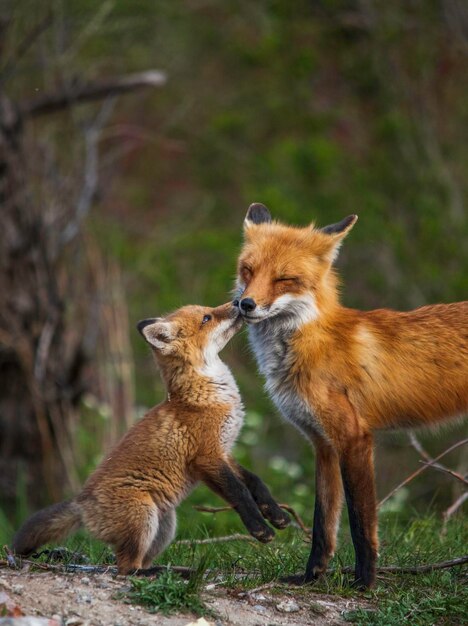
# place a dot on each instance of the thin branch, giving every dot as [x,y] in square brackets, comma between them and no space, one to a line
[438,466]
[187,571]
[10,557]
[43,347]
[417,445]
[414,569]
[409,569]
[90,569]
[91,166]
[297,518]
[285,507]
[51,103]
[448,471]
[226,538]
[453,508]
[421,470]
[212,509]
[250,592]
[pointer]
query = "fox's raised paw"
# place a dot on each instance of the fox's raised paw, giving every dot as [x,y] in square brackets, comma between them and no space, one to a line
[281,521]
[265,535]
[279,518]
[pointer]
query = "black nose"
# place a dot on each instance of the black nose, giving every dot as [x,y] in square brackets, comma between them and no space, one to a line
[142,323]
[247,305]
[235,302]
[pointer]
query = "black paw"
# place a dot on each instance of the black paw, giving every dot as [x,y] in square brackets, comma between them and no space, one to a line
[362,584]
[264,534]
[279,518]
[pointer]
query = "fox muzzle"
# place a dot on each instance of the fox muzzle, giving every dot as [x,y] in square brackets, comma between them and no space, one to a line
[247,305]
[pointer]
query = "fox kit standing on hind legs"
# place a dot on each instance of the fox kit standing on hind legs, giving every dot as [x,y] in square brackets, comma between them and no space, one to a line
[338,374]
[130,500]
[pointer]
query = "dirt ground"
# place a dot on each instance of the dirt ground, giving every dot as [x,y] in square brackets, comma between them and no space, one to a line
[78,600]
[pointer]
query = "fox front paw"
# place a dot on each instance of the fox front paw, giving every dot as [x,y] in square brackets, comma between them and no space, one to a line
[264,534]
[279,518]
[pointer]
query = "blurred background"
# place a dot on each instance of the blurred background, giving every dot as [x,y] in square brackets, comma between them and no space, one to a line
[123,198]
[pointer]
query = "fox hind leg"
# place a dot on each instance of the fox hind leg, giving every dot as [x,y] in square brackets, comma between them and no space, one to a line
[137,537]
[162,539]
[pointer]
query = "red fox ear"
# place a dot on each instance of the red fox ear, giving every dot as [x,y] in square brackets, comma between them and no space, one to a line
[340,228]
[160,335]
[257,214]
[335,235]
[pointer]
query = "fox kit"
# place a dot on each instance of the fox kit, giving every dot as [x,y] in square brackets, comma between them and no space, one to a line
[338,374]
[130,500]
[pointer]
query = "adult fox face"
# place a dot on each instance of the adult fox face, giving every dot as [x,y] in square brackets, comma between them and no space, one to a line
[282,270]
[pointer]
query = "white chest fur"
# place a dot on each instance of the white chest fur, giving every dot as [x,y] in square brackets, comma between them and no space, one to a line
[226,392]
[270,341]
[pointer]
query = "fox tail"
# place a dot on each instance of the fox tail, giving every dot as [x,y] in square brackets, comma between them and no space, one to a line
[53,523]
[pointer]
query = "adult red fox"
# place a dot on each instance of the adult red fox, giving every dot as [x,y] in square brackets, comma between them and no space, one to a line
[338,374]
[130,500]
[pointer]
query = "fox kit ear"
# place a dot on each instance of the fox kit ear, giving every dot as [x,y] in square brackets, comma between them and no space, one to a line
[336,233]
[257,214]
[159,333]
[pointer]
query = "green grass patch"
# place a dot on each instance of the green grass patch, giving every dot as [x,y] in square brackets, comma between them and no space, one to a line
[168,593]
[439,598]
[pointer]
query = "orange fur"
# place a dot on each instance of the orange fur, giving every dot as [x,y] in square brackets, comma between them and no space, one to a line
[130,499]
[354,371]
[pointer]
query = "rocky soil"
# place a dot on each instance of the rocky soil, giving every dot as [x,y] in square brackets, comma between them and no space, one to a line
[92,600]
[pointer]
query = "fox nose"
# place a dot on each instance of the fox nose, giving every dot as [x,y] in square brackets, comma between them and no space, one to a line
[247,305]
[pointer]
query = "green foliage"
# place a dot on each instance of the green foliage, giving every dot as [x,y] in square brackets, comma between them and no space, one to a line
[437,600]
[168,593]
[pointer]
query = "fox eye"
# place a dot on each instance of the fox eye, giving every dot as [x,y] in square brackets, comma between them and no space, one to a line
[284,279]
[206,318]
[246,272]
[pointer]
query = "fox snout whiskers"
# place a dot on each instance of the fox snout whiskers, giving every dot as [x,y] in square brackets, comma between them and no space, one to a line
[249,311]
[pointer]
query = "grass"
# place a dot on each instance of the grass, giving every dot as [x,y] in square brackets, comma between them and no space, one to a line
[435,599]
[438,598]
[166,594]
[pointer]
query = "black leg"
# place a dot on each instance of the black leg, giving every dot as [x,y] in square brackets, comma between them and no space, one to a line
[223,481]
[328,502]
[357,470]
[262,496]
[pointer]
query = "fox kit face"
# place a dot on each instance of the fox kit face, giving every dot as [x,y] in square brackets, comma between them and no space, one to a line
[281,269]
[193,334]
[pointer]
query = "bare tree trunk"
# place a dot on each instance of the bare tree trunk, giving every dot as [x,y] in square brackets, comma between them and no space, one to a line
[44,348]
[35,374]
